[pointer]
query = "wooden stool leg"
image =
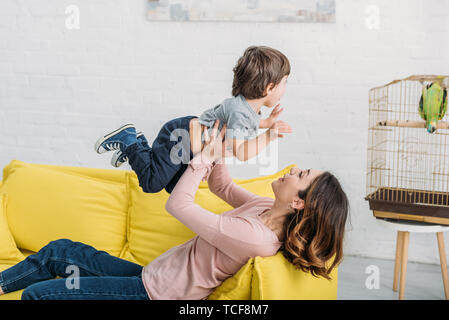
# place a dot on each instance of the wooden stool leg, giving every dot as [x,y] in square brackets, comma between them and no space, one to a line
[397,262]
[443,263]
[404,252]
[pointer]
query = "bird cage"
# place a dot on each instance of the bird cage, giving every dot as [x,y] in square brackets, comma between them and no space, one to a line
[407,159]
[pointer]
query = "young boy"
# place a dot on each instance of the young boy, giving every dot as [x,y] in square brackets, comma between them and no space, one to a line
[260,77]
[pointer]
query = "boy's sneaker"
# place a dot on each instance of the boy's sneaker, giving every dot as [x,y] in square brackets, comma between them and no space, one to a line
[119,157]
[118,139]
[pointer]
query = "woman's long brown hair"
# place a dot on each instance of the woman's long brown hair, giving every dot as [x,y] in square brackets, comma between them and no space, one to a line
[314,234]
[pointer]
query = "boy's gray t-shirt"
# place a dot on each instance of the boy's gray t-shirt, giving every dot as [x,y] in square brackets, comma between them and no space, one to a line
[242,121]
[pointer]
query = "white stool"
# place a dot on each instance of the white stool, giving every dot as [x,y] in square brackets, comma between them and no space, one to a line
[404,227]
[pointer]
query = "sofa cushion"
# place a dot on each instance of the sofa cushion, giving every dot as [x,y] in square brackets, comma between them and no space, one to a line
[9,253]
[151,230]
[109,175]
[237,287]
[46,204]
[274,278]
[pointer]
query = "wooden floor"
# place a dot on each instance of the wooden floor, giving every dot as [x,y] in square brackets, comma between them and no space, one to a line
[423,282]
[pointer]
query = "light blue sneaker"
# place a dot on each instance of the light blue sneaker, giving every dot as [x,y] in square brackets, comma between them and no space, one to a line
[118,139]
[119,157]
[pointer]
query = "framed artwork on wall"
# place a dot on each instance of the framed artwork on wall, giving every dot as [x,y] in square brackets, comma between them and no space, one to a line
[321,11]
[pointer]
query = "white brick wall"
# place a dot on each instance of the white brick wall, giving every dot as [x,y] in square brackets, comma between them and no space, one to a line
[60,89]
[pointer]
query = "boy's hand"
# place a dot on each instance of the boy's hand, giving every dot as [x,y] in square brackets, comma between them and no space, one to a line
[268,122]
[278,128]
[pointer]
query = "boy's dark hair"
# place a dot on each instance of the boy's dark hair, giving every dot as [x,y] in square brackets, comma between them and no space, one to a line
[256,69]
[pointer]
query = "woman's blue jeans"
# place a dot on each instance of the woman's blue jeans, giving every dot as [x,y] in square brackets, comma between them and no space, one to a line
[86,274]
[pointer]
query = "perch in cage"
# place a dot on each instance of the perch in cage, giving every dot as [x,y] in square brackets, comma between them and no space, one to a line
[408,150]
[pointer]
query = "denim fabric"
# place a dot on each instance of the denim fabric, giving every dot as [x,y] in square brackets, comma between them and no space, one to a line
[86,274]
[120,140]
[162,165]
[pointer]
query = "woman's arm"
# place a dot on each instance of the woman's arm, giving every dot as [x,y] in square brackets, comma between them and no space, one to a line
[181,204]
[221,184]
[237,237]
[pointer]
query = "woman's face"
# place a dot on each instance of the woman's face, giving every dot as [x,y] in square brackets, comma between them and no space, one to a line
[286,188]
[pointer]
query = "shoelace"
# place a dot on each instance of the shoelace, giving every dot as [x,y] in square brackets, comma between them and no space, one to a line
[113,146]
[122,158]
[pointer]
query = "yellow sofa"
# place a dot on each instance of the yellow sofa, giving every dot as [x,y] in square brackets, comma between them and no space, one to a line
[107,209]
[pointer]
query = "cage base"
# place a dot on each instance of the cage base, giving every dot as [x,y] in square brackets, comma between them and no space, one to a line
[410,204]
[410,217]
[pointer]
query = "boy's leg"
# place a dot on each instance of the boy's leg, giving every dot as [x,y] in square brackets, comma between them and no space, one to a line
[119,158]
[88,288]
[63,258]
[188,153]
[152,166]
[156,166]
[118,139]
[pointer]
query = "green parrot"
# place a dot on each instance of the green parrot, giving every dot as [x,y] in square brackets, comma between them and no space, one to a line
[433,105]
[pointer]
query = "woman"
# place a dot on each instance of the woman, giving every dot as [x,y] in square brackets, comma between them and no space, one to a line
[306,220]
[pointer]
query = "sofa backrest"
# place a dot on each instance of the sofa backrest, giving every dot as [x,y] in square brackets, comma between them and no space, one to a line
[46,203]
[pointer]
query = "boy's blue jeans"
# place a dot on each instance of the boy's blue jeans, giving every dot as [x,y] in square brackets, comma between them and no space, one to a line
[162,165]
[87,274]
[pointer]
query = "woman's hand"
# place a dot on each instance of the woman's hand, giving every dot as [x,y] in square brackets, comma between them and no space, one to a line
[215,146]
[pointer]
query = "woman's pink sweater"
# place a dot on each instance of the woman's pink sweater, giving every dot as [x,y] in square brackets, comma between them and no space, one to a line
[223,243]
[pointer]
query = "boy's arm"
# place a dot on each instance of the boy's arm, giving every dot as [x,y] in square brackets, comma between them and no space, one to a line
[264,123]
[246,149]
